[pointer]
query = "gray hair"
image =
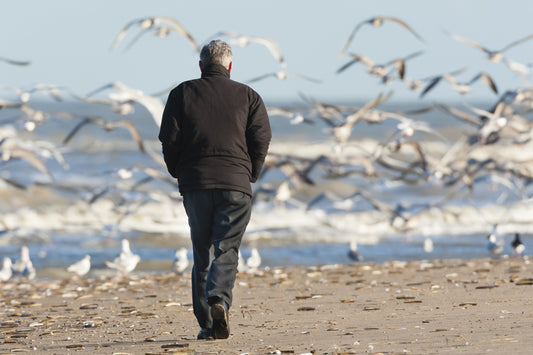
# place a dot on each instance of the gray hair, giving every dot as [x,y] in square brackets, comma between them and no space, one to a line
[216,52]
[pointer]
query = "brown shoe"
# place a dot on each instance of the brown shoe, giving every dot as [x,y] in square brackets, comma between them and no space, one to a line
[220,321]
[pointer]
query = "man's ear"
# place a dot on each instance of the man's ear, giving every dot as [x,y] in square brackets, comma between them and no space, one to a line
[201,65]
[230,66]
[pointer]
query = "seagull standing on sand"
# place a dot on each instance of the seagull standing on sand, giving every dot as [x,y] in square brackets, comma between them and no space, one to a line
[518,246]
[254,261]
[181,261]
[81,267]
[494,244]
[283,193]
[428,245]
[24,266]
[353,253]
[6,272]
[126,262]
[241,266]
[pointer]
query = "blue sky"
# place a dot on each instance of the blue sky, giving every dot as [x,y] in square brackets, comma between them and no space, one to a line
[69,43]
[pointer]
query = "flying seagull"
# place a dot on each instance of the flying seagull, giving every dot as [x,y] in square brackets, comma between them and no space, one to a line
[377,21]
[495,56]
[462,88]
[108,126]
[380,70]
[162,26]
[282,75]
[121,95]
[243,40]
[14,62]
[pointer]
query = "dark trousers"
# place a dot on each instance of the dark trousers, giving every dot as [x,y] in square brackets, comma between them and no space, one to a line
[217,219]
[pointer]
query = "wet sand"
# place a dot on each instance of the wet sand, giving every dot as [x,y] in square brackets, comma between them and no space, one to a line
[423,307]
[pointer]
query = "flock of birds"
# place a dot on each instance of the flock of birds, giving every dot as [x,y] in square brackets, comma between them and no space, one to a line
[400,158]
[123,264]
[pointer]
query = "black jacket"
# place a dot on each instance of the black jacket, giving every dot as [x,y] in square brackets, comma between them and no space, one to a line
[215,133]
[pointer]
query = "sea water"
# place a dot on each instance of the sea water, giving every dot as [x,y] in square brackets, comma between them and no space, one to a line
[102,193]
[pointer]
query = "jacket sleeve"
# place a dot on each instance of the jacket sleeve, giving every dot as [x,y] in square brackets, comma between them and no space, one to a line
[169,135]
[258,135]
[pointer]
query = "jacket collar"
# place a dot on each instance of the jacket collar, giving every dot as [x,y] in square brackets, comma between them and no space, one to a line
[215,70]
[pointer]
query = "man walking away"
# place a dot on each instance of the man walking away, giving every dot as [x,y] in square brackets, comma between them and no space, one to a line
[215,135]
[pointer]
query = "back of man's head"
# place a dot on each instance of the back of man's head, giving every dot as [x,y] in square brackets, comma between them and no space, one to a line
[216,52]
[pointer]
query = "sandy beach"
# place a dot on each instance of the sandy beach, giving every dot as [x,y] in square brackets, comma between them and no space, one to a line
[422,307]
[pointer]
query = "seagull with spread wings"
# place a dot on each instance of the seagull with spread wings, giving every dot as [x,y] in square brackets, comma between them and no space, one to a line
[342,132]
[295,117]
[282,75]
[495,56]
[24,95]
[242,40]
[380,70]
[108,126]
[14,62]
[489,124]
[377,21]
[122,96]
[33,151]
[400,214]
[161,26]
[461,87]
